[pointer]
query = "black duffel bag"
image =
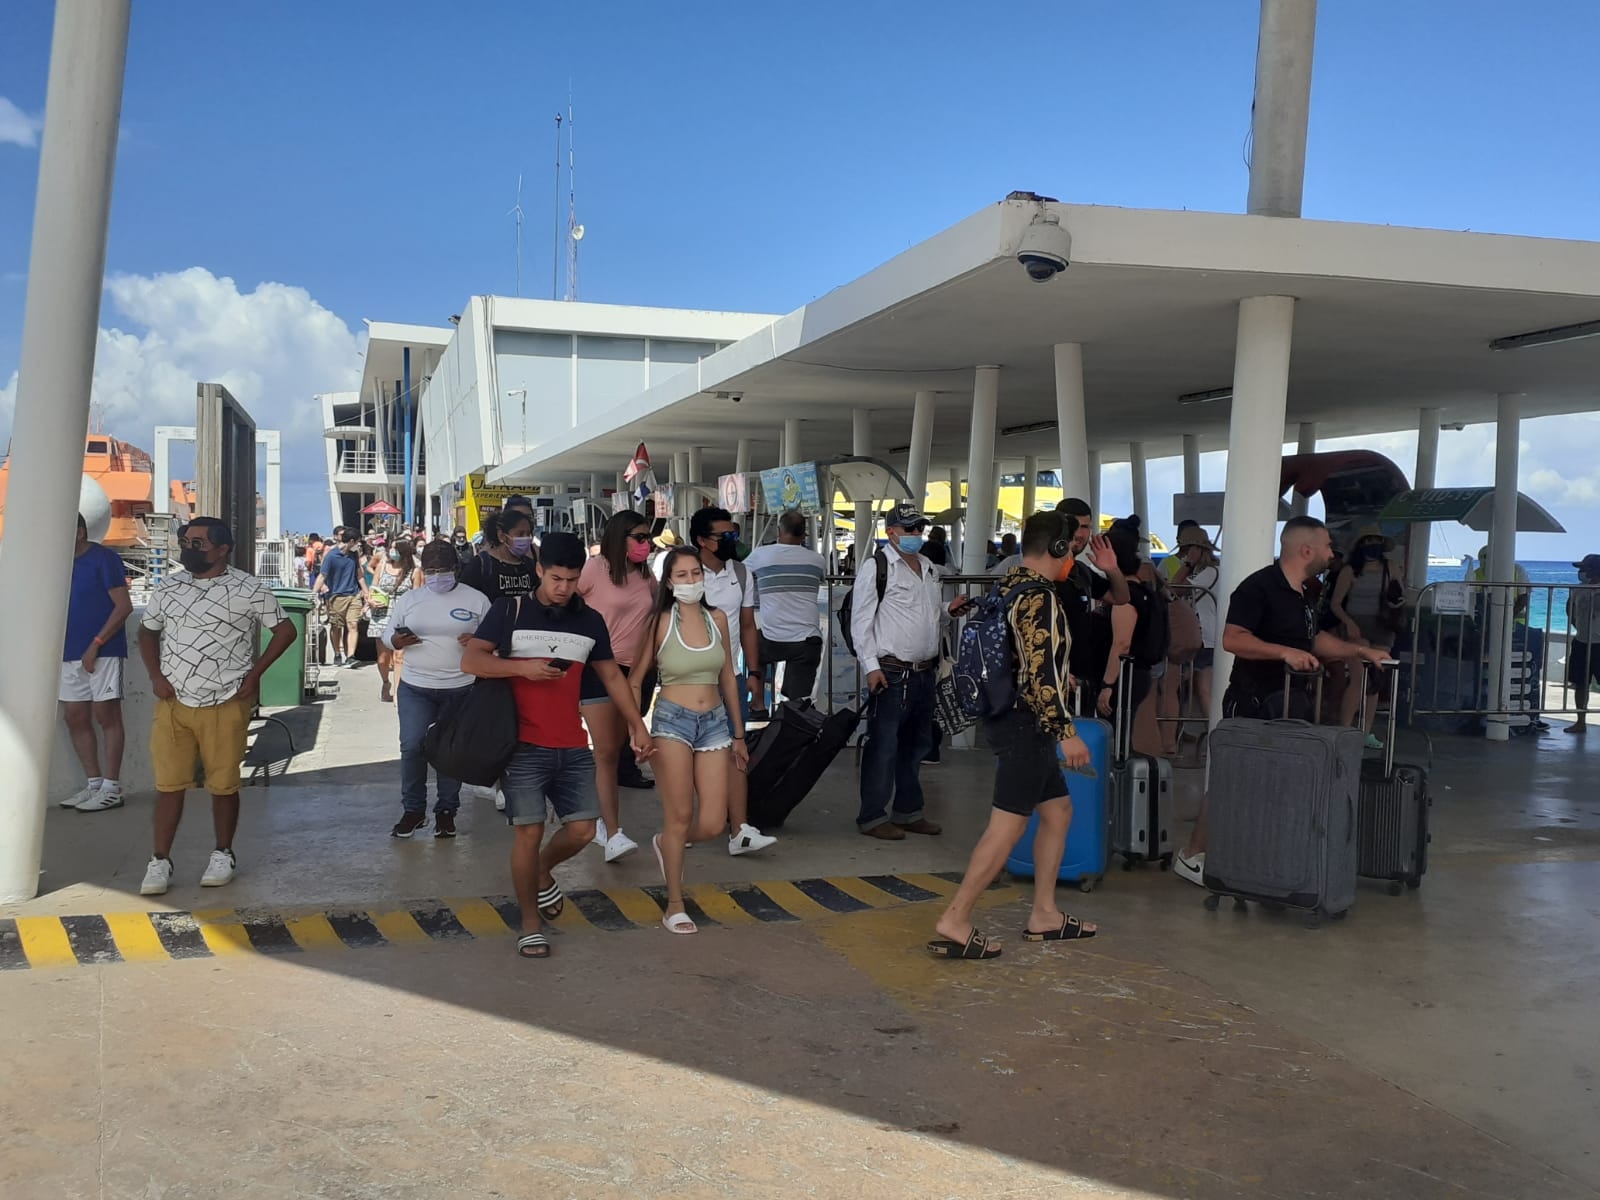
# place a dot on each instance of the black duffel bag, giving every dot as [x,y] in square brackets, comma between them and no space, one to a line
[476,734]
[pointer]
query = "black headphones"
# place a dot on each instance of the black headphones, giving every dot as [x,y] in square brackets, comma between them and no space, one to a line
[1061,545]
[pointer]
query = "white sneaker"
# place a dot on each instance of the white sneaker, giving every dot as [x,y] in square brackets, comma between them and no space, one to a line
[600,833]
[1192,870]
[499,800]
[220,869]
[157,877]
[100,799]
[88,793]
[619,845]
[748,839]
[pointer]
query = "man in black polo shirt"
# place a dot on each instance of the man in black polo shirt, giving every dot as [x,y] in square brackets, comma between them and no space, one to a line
[1092,578]
[1272,626]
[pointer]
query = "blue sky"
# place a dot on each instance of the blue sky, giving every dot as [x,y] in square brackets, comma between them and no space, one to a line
[364,155]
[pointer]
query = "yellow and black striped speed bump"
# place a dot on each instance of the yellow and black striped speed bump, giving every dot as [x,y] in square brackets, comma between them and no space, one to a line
[107,938]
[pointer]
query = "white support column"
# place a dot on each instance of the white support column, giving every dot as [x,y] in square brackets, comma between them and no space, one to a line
[1093,498]
[1255,436]
[1419,544]
[1502,556]
[271,441]
[680,485]
[66,270]
[1308,445]
[1138,470]
[1072,429]
[860,443]
[741,457]
[783,447]
[697,466]
[1030,486]
[1284,50]
[921,447]
[621,500]
[959,532]
[791,441]
[980,470]
[1191,464]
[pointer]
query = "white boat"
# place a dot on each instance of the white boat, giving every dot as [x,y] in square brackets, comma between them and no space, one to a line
[1446,560]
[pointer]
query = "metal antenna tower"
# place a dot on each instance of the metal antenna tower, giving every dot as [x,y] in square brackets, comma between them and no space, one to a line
[574,230]
[516,213]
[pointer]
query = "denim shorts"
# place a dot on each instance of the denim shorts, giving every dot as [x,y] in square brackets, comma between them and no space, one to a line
[564,778]
[699,731]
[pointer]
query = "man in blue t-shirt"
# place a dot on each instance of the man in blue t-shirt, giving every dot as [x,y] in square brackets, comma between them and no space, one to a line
[343,583]
[91,669]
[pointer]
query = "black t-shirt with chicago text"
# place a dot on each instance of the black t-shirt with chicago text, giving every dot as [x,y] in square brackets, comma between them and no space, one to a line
[496,579]
[1269,606]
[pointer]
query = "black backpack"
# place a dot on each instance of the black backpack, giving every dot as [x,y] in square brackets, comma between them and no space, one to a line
[1152,636]
[476,734]
[847,609]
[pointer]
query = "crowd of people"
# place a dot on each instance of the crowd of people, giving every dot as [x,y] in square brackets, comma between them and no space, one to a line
[596,639]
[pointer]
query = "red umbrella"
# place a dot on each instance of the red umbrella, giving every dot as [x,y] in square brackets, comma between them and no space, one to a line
[381,508]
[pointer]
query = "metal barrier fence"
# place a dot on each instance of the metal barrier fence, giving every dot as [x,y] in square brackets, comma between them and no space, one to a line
[1492,650]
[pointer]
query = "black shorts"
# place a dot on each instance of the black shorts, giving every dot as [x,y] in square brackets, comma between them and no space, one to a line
[1026,770]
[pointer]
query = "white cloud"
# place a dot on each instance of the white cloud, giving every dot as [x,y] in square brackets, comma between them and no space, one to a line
[274,348]
[17,128]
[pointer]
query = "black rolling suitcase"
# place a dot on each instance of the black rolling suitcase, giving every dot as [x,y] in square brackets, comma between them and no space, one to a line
[1392,813]
[1141,798]
[790,755]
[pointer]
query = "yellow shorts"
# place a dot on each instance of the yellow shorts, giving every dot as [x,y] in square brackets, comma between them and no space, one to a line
[344,612]
[215,737]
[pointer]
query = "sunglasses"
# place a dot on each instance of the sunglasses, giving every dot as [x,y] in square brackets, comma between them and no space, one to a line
[639,537]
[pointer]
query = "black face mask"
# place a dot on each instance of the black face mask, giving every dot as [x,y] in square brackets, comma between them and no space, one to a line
[194,561]
[724,550]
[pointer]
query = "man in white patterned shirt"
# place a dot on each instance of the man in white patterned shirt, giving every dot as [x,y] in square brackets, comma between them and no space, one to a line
[198,641]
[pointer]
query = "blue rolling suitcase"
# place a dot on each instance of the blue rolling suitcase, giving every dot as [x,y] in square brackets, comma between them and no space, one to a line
[1089,836]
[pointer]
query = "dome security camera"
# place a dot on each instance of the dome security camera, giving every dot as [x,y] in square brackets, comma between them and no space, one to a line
[1045,249]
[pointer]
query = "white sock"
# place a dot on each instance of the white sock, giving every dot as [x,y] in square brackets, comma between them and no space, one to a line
[94,782]
[110,785]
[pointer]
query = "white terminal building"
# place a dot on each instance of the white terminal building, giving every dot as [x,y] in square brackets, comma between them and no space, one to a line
[1034,335]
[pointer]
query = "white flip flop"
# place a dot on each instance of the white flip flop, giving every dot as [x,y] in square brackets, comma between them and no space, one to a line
[679,923]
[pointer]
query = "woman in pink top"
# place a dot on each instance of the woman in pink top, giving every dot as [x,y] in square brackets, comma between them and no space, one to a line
[618,585]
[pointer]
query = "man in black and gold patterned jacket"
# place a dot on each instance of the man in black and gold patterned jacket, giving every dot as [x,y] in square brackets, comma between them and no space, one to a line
[1025,740]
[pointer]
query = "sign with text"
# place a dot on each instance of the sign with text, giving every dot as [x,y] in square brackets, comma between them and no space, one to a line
[733,492]
[794,486]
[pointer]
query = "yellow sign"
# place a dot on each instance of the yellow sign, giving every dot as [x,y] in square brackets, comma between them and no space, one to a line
[480,499]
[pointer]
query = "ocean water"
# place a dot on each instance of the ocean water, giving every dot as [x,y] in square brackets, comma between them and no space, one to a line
[1538,572]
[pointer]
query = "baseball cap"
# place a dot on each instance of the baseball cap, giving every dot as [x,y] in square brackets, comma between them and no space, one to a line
[905,516]
[1590,564]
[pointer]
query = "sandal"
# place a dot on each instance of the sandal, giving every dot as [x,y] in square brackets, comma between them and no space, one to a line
[533,945]
[1071,929]
[679,923]
[551,902]
[977,946]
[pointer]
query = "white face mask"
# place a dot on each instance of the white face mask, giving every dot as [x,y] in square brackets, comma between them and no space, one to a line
[689,593]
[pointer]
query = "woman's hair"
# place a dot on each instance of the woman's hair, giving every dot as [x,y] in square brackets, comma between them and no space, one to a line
[664,597]
[504,524]
[614,546]
[439,556]
[407,551]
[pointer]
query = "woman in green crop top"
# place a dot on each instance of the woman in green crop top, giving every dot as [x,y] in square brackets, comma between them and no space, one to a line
[687,641]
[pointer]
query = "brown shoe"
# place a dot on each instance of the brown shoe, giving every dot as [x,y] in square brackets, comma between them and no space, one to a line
[888,832]
[923,825]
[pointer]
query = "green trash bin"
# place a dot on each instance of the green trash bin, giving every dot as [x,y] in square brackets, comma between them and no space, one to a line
[284,684]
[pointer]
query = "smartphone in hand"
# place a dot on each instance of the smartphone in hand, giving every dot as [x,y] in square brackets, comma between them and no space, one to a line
[560,664]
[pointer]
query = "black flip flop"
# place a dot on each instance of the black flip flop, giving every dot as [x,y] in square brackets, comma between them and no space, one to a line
[976,946]
[551,902]
[533,945]
[1071,930]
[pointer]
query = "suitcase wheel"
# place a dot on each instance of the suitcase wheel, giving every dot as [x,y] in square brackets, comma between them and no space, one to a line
[1395,887]
[1239,905]
[1127,864]
[1086,885]
[1166,861]
[1414,882]
[1212,901]
[1313,920]
[1339,916]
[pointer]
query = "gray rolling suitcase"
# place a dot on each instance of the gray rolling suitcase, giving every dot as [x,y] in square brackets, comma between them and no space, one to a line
[1141,801]
[1392,814]
[1282,815]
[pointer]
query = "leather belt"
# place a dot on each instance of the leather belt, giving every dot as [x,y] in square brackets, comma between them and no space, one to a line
[900,664]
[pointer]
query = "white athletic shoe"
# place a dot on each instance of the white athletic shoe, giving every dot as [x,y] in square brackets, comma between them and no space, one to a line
[88,792]
[100,799]
[600,832]
[157,877]
[1191,870]
[748,839]
[220,869]
[618,845]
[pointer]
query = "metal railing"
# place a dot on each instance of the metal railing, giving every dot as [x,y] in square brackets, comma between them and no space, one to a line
[1490,650]
[371,462]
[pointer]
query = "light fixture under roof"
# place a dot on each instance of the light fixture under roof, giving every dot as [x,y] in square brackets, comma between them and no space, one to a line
[1215,394]
[1547,337]
[1034,427]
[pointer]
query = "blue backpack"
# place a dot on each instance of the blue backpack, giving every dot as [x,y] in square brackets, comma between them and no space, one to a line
[985,674]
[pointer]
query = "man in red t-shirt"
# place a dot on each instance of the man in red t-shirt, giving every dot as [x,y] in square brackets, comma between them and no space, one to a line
[553,635]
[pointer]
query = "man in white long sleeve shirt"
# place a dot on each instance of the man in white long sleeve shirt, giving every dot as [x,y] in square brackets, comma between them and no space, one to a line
[897,641]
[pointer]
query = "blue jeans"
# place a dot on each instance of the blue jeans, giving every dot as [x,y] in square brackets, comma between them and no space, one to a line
[420,708]
[899,736]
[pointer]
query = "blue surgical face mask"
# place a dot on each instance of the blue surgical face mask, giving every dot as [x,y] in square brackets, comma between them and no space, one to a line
[439,583]
[912,543]
[394,556]
[521,545]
